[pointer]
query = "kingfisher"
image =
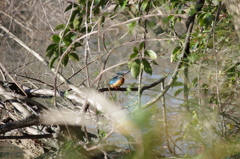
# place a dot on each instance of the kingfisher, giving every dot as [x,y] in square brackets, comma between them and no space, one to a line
[118,80]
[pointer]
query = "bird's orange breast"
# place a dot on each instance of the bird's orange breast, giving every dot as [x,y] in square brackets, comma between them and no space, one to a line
[118,83]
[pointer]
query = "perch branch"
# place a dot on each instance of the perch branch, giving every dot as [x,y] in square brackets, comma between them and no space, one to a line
[29,121]
[26,137]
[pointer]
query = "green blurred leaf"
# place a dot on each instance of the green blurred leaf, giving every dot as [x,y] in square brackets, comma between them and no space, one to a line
[144,5]
[123,5]
[146,66]
[168,18]
[63,49]
[208,19]
[135,68]
[132,26]
[52,46]
[154,62]
[65,60]
[66,93]
[73,56]
[177,92]
[72,5]
[51,62]
[129,88]
[130,64]
[177,84]
[51,49]
[74,13]
[67,39]
[83,2]
[194,82]
[60,26]
[77,22]
[151,54]
[55,38]
[50,53]
[133,55]
[201,19]
[205,19]
[141,46]
[64,32]
[135,50]
[176,52]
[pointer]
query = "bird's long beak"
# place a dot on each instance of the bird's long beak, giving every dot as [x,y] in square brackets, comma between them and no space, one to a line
[126,72]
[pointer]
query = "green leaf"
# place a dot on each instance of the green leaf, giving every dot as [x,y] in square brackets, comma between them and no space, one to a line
[52,61]
[135,68]
[208,19]
[146,66]
[176,52]
[73,56]
[66,93]
[77,22]
[177,92]
[168,18]
[55,38]
[72,5]
[82,2]
[67,40]
[60,26]
[151,54]
[135,50]
[74,13]
[144,5]
[141,45]
[51,49]
[194,82]
[177,84]
[50,53]
[130,64]
[124,5]
[133,55]
[65,60]
[52,46]
[132,26]
[154,62]
[129,88]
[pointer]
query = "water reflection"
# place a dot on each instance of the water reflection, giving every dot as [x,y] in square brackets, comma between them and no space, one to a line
[9,151]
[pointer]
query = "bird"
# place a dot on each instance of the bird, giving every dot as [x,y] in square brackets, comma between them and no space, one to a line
[117,81]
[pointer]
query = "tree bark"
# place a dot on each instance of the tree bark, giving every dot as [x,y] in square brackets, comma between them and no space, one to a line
[233,7]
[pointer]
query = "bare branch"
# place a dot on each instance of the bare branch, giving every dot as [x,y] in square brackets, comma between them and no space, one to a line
[29,121]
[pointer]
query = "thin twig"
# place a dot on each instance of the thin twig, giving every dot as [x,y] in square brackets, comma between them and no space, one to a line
[5,71]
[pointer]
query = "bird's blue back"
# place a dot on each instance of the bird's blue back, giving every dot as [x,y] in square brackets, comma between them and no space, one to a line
[115,79]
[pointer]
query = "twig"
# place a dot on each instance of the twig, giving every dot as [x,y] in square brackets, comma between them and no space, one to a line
[18,22]
[26,137]
[15,102]
[26,99]
[29,121]
[5,70]
[45,14]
